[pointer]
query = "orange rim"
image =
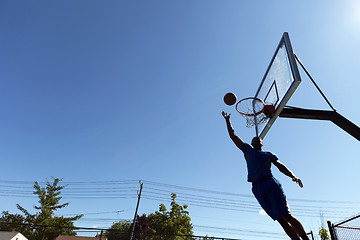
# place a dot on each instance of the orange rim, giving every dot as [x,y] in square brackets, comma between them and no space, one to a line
[250,114]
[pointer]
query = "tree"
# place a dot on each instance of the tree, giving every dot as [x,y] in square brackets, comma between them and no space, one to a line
[43,225]
[142,226]
[173,222]
[324,234]
[166,223]
[119,231]
[9,222]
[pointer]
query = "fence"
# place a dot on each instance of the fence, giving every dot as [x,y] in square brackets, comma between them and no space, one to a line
[43,233]
[116,233]
[148,236]
[348,229]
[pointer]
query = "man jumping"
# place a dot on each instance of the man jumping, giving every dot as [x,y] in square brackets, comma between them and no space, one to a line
[266,189]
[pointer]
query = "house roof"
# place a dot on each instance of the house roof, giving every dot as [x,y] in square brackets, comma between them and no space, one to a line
[7,235]
[63,237]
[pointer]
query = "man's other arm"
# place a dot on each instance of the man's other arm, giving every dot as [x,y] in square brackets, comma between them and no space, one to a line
[282,168]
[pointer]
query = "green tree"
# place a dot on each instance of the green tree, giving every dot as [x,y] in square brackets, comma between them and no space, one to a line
[166,223]
[119,231]
[208,238]
[43,225]
[324,234]
[173,222]
[9,222]
[142,227]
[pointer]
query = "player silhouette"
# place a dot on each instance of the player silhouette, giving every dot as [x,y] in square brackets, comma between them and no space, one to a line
[266,189]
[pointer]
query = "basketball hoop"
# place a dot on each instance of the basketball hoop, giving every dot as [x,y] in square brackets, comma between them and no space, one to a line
[255,111]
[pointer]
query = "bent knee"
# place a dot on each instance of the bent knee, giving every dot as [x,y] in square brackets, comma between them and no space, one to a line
[286,218]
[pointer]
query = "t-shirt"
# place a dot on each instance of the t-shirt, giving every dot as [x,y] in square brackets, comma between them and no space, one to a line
[258,162]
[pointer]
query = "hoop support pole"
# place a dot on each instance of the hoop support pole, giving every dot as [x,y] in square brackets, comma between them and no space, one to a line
[313,81]
[333,116]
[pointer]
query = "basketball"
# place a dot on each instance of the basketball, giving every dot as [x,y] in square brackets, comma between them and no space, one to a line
[230,99]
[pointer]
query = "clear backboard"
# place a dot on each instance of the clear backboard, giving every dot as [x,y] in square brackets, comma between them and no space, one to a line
[279,82]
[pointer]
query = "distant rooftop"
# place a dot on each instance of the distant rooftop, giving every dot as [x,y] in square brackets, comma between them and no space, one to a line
[64,237]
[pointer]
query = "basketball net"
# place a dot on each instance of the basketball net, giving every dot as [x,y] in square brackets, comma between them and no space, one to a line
[255,111]
[255,120]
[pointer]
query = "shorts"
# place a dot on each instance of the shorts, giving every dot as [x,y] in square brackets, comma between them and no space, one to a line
[271,197]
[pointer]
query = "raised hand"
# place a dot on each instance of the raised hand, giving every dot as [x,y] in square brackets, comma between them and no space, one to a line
[226,115]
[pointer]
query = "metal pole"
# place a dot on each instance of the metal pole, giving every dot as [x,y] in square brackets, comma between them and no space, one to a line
[101,233]
[312,235]
[336,118]
[331,230]
[317,87]
[137,207]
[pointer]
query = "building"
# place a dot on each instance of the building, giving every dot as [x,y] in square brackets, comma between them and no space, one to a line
[64,237]
[11,236]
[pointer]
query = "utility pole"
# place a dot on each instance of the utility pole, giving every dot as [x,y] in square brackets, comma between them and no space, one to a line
[137,207]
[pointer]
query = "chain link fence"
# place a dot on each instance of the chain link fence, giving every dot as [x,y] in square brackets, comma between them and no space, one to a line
[52,232]
[110,234]
[149,236]
[345,230]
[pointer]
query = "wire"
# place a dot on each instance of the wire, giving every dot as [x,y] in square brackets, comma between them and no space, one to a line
[160,192]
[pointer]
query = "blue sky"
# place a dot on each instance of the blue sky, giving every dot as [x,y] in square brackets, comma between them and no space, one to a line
[96,92]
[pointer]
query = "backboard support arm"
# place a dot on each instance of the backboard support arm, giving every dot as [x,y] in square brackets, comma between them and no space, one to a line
[333,116]
[313,81]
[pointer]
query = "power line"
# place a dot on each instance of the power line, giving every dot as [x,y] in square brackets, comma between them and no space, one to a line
[243,195]
[126,189]
[92,189]
[97,213]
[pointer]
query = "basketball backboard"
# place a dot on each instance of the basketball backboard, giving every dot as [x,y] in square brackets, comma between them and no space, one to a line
[279,82]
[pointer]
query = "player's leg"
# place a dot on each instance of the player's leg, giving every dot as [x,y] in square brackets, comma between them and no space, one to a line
[289,230]
[272,199]
[297,226]
[281,210]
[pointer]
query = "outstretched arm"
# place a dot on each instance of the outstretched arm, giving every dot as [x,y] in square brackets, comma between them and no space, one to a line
[282,168]
[238,142]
